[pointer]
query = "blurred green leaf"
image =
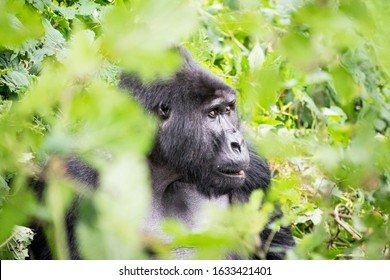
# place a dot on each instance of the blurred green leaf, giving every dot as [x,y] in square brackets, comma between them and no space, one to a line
[4,189]
[314,216]
[15,211]
[121,205]
[18,23]
[141,36]
[262,86]
[344,84]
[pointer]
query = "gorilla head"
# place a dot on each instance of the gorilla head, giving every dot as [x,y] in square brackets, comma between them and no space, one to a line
[199,135]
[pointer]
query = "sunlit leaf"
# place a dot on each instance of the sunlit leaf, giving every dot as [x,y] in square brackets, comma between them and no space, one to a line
[141,37]
[18,23]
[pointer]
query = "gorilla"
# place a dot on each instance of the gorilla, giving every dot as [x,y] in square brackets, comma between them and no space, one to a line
[199,155]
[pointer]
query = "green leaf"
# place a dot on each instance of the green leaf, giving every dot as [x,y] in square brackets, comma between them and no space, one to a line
[18,23]
[16,247]
[121,205]
[263,86]
[141,37]
[344,84]
[16,210]
[4,190]
[256,57]
[314,216]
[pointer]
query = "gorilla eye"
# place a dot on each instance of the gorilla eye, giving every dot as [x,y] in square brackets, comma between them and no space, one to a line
[163,111]
[228,109]
[213,113]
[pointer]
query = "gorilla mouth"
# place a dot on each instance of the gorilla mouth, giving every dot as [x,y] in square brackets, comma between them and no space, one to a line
[231,172]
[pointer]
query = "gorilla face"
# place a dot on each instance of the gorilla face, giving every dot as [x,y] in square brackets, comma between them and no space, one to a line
[199,134]
[231,158]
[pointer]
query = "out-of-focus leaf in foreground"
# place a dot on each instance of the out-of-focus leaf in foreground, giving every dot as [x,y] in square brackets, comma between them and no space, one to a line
[18,23]
[140,35]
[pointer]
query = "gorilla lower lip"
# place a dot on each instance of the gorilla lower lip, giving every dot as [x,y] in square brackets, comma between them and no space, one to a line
[233,172]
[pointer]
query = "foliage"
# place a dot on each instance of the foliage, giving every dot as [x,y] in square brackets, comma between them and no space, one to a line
[16,247]
[314,94]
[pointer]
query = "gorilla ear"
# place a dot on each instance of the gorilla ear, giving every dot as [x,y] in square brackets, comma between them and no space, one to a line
[163,111]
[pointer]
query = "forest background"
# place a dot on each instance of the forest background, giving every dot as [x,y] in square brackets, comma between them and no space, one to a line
[313,83]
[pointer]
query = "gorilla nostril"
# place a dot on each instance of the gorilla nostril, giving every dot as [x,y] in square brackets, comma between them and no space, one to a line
[236,147]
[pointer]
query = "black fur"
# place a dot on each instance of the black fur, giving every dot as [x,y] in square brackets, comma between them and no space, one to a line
[199,153]
[84,174]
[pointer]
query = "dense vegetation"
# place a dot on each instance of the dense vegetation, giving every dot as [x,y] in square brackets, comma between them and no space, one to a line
[313,77]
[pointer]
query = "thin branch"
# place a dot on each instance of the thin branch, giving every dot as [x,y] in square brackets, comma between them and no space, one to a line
[351,230]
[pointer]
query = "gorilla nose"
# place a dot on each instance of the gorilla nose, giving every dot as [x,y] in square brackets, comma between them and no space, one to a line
[236,147]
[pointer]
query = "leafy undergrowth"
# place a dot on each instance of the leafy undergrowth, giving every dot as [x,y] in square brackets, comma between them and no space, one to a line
[314,97]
